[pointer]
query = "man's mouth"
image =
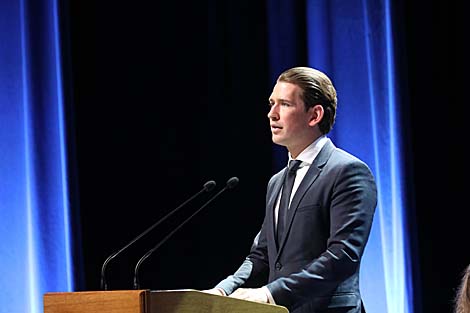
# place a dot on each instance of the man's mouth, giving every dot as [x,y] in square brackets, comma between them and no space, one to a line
[275,129]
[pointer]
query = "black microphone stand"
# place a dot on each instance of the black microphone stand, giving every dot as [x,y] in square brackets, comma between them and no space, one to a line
[231,183]
[208,186]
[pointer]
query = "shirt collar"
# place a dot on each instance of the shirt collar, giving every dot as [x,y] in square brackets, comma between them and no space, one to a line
[310,153]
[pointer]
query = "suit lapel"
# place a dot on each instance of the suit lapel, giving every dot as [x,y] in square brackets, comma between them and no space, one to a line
[272,203]
[307,181]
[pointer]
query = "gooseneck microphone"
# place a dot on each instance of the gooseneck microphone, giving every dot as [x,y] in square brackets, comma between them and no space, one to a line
[208,186]
[231,183]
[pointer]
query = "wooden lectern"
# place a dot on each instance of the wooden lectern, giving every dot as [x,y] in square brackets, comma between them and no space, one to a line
[147,301]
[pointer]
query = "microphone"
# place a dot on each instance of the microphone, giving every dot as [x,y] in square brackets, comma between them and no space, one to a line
[231,183]
[208,186]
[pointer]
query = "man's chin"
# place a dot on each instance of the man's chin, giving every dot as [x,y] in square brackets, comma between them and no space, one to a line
[277,140]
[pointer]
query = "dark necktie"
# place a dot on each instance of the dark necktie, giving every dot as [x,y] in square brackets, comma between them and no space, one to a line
[285,197]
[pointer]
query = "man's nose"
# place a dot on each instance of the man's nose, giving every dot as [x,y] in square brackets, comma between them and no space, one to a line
[273,114]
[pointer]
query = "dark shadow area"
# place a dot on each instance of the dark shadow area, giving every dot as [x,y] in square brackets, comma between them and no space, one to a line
[438,90]
[166,98]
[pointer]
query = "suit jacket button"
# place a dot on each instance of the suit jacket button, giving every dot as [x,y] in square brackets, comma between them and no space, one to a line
[278,266]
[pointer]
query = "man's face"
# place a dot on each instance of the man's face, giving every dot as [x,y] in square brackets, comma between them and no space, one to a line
[287,117]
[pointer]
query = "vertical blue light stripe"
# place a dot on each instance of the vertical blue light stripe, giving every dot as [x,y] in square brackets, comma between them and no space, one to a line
[395,301]
[381,207]
[32,302]
[401,239]
[380,214]
[63,152]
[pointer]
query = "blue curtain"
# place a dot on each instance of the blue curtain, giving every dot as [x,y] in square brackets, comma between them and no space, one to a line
[354,43]
[35,222]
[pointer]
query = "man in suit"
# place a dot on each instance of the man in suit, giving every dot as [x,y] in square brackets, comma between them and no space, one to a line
[312,248]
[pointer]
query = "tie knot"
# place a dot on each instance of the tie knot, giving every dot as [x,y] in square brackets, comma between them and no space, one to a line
[294,165]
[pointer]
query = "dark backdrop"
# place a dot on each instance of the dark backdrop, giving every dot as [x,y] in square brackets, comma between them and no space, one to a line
[166,98]
[437,52]
[169,95]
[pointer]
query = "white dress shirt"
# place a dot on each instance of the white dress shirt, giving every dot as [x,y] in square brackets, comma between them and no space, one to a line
[307,156]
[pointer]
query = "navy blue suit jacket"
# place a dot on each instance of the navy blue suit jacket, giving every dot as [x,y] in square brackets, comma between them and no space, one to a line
[316,267]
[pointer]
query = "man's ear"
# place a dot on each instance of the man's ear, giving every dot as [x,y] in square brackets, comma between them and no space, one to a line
[316,114]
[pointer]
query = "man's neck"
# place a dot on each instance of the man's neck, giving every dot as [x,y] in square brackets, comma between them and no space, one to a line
[294,152]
